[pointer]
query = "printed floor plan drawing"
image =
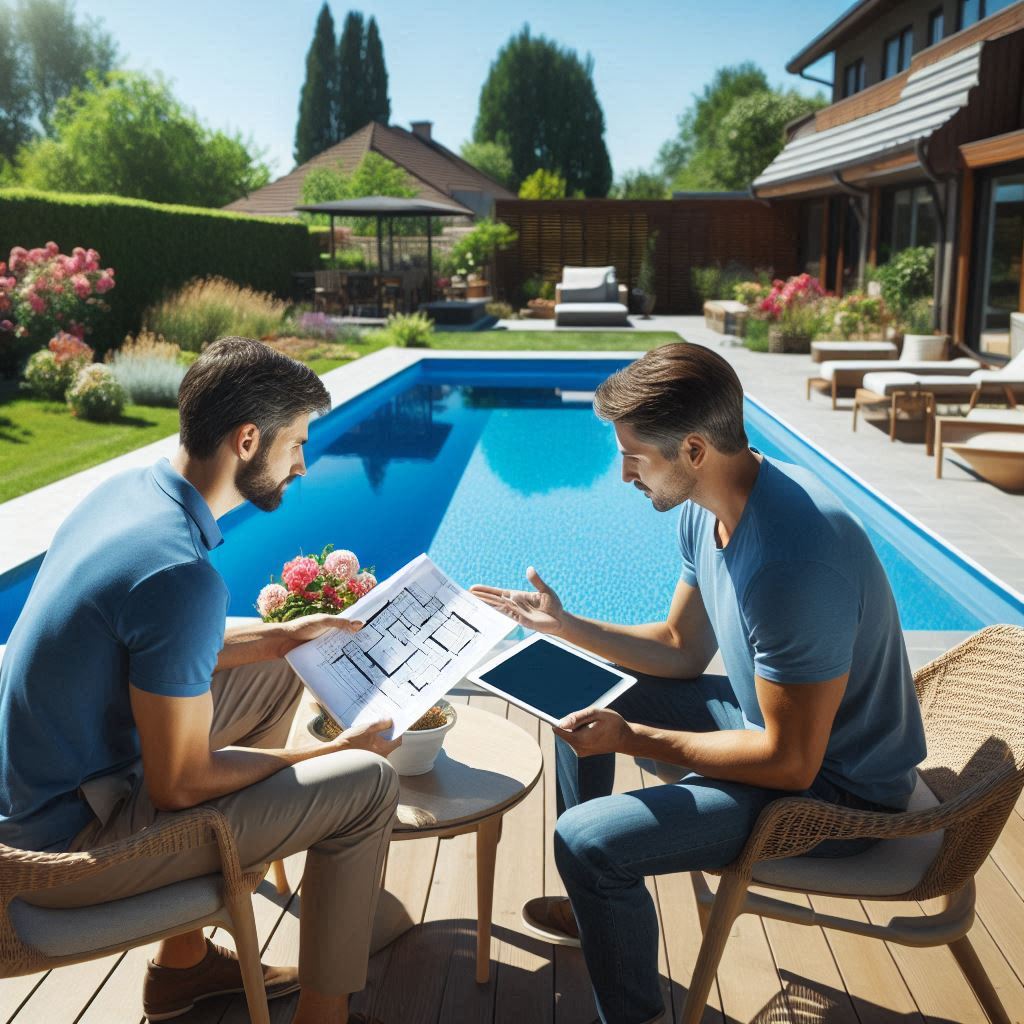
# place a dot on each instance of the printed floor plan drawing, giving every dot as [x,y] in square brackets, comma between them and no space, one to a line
[421,634]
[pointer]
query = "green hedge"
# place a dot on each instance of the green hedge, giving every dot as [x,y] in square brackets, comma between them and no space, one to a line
[155,248]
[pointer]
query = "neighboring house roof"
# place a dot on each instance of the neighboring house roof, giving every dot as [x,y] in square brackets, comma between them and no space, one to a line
[930,97]
[433,170]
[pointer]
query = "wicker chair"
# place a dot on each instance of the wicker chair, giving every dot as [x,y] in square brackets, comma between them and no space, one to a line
[35,938]
[974,719]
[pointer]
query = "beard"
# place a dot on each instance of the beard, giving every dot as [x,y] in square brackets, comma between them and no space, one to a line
[678,489]
[256,484]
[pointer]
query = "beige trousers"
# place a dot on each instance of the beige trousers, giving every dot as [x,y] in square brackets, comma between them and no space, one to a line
[340,807]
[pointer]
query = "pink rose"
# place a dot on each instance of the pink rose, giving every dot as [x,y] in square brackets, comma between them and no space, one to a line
[332,596]
[6,325]
[272,596]
[104,283]
[342,564]
[362,584]
[36,303]
[299,573]
[52,248]
[81,285]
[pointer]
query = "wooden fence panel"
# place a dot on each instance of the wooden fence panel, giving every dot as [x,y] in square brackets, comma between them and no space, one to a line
[697,232]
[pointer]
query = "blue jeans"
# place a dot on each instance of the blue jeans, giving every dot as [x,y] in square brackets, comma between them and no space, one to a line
[605,845]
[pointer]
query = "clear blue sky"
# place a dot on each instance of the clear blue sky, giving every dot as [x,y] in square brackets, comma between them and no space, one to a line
[240,65]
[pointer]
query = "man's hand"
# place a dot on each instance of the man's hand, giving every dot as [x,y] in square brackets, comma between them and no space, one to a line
[367,737]
[594,731]
[539,609]
[309,627]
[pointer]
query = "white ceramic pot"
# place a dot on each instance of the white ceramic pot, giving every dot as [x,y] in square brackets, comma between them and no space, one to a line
[419,749]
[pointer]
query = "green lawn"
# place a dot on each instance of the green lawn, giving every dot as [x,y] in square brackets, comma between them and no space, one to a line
[41,441]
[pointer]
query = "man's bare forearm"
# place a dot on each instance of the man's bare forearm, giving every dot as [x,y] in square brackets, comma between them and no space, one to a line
[250,642]
[650,648]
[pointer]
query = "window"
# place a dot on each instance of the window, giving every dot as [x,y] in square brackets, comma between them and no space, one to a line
[854,78]
[970,12]
[908,219]
[936,26]
[897,51]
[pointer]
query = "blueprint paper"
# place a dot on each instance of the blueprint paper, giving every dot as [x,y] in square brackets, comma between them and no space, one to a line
[422,633]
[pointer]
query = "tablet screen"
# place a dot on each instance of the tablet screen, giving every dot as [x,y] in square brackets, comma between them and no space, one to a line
[551,679]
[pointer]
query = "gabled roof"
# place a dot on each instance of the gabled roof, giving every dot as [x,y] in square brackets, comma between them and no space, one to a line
[931,96]
[432,169]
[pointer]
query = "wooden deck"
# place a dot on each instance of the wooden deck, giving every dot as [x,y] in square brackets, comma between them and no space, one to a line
[771,972]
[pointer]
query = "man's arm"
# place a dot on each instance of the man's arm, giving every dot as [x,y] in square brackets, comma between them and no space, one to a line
[180,768]
[787,755]
[246,643]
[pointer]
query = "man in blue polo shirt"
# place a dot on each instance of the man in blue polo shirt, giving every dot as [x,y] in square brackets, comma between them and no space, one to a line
[818,698]
[122,699]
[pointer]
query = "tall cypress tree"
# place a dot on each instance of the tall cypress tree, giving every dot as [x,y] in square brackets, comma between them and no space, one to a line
[317,127]
[352,105]
[376,73]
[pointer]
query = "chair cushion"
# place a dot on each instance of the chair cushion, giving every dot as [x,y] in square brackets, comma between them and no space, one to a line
[587,313]
[994,416]
[920,348]
[822,350]
[589,284]
[60,932]
[889,868]
[961,365]
[938,384]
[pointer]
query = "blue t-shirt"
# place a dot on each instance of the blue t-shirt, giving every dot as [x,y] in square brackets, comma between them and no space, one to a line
[126,592]
[798,595]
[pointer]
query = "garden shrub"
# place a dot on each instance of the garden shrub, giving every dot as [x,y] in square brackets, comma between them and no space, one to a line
[97,394]
[149,369]
[410,330]
[344,259]
[907,277]
[211,308]
[715,282]
[320,325]
[52,370]
[755,337]
[155,247]
[502,310]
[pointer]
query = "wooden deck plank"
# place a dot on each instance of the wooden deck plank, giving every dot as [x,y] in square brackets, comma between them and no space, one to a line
[14,992]
[869,972]
[1008,852]
[1002,909]
[65,992]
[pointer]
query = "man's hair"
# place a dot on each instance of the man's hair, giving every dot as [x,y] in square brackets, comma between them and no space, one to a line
[241,380]
[673,391]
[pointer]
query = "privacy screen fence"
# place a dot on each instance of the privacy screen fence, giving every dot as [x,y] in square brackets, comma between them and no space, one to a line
[692,232]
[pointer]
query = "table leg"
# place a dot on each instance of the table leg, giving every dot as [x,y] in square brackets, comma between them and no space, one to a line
[487,835]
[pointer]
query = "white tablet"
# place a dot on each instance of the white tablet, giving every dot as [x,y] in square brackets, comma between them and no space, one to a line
[551,679]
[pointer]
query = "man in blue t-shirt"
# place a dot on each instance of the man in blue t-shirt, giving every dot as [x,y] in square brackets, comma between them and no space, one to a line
[123,698]
[818,697]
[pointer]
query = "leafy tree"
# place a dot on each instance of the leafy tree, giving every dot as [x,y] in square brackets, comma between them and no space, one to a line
[128,135]
[378,106]
[44,54]
[640,185]
[352,104]
[317,128]
[543,185]
[539,102]
[490,158]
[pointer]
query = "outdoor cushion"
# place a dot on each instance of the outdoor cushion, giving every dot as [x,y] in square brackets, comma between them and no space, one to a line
[996,417]
[591,313]
[822,350]
[919,348]
[589,284]
[939,384]
[889,868]
[68,932]
[953,366]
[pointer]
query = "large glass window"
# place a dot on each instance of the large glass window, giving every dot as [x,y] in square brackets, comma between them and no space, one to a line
[854,78]
[812,215]
[1003,253]
[936,26]
[970,12]
[897,51]
[907,219]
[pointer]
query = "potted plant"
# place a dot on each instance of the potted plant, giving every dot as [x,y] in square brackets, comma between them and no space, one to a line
[795,312]
[920,341]
[643,293]
[422,741]
[472,254]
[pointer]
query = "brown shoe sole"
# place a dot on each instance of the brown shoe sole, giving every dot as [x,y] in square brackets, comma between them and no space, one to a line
[170,1014]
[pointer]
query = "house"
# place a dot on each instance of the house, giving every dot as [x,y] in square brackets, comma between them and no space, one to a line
[431,168]
[922,144]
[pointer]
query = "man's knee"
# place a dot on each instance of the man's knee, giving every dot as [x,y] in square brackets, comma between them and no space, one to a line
[579,840]
[361,788]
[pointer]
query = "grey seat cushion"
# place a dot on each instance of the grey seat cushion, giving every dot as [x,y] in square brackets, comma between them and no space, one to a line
[70,932]
[589,284]
[889,868]
[592,313]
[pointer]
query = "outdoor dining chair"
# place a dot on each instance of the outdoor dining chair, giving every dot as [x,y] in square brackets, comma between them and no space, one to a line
[34,938]
[967,787]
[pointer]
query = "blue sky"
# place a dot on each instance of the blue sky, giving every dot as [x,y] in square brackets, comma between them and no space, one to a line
[240,65]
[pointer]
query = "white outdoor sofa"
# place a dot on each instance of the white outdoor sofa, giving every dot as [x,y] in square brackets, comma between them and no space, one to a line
[590,297]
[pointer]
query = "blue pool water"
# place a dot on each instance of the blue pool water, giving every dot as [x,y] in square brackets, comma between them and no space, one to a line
[490,467]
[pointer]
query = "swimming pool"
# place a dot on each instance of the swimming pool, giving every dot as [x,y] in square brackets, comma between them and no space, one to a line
[490,466]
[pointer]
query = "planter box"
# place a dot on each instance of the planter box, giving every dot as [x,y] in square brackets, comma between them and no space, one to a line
[725,316]
[779,342]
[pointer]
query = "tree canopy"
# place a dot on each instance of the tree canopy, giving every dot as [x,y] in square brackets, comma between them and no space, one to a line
[363,77]
[543,185]
[317,128]
[731,131]
[539,102]
[639,185]
[45,52]
[127,135]
[490,158]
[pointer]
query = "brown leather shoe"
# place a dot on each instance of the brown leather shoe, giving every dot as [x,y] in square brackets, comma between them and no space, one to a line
[551,918]
[171,991]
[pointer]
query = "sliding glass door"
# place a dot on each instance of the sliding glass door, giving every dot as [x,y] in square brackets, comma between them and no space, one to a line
[1002,253]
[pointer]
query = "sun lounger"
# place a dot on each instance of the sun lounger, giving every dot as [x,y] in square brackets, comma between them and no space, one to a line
[833,351]
[996,456]
[950,430]
[849,373]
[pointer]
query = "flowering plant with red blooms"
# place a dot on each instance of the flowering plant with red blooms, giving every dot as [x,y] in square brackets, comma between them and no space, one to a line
[802,290]
[327,583]
[44,292]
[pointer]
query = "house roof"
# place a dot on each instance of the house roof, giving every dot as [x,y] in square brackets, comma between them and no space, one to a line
[930,97]
[432,169]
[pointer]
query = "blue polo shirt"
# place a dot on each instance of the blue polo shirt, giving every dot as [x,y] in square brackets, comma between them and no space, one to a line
[799,596]
[126,592]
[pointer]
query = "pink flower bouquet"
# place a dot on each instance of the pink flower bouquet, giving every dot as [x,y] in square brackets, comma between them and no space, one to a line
[327,583]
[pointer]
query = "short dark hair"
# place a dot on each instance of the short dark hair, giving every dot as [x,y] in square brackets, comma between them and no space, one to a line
[673,391]
[241,380]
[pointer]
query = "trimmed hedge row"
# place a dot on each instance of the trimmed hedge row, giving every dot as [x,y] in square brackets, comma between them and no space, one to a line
[155,248]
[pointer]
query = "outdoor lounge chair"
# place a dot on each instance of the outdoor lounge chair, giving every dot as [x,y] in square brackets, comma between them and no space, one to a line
[835,351]
[966,791]
[590,297]
[956,430]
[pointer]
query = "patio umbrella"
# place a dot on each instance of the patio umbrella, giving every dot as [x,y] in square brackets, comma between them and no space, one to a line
[390,207]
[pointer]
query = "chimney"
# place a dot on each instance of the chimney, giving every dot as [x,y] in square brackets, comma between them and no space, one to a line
[422,129]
